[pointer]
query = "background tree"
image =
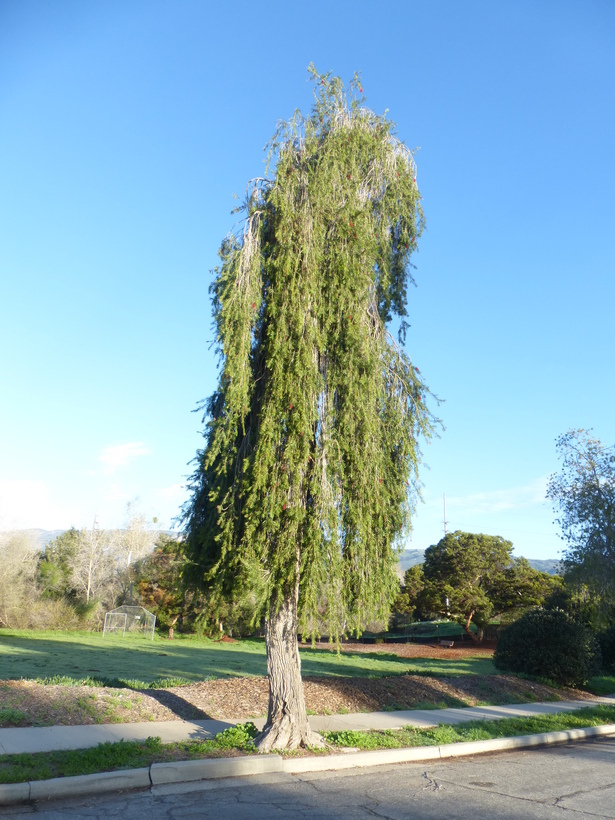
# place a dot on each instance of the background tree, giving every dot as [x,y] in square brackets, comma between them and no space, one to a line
[160,586]
[55,567]
[458,570]
[18,562]
[581,602]
[129,545]
[311,437]
[584,495]
[138,536]
[473,578]
[94,569]
[519,587]
[406,606]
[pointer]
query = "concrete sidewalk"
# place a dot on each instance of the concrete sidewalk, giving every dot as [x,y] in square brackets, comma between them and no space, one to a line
[50,738]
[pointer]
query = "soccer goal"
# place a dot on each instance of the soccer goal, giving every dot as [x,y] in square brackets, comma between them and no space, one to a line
[130,620]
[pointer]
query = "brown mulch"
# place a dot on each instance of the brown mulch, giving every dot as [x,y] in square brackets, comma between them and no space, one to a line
[243,698]
[461,649]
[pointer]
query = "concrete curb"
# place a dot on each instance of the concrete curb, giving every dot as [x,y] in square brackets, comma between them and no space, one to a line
[183,770]
[87,784]
[192,770]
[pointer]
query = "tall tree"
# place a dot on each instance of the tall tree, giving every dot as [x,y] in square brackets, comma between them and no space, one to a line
[583,493]
[310,460]
[458,571]
[472,578]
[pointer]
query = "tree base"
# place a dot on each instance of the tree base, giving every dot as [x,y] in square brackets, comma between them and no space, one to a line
[285,734]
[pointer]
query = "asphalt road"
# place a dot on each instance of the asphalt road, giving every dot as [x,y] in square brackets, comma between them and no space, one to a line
[576,781]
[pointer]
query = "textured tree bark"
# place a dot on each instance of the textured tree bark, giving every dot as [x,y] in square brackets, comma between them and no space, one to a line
[287,725]
[475,638]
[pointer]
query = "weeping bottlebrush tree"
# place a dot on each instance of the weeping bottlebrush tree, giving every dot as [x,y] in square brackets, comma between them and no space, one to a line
[309,469]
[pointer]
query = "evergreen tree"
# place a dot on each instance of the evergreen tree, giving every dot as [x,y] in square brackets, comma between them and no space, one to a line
[309,469]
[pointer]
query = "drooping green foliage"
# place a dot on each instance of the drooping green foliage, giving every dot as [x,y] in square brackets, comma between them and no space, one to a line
[309,469]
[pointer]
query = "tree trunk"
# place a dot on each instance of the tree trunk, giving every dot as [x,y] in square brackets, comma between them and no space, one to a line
[287,725]
[173,622]
[466,626]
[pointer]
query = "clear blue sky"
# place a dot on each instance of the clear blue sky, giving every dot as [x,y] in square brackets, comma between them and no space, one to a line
[125,128]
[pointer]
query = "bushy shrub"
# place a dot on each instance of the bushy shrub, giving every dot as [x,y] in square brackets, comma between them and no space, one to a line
[549,644]
[607,645]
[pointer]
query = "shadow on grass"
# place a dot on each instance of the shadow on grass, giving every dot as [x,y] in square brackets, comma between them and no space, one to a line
[137,662]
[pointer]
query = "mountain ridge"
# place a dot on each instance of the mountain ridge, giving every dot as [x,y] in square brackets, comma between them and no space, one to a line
[410,558]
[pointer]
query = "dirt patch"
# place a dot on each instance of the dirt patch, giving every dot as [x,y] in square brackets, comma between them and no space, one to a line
[243,698]
[459,650]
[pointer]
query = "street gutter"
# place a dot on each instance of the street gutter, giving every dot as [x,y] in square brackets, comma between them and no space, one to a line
[194,770]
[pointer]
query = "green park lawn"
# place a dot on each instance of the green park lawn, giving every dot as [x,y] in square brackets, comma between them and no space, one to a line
[81,655]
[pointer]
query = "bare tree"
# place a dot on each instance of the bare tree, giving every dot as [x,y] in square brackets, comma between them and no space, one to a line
[94,567]
[18,562]
[137,538]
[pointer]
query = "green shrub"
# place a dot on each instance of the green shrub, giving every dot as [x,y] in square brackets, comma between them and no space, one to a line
[549,644]
[607,645]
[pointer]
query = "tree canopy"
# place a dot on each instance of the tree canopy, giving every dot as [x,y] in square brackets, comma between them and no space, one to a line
[472,578]
[583,493]
[309,470]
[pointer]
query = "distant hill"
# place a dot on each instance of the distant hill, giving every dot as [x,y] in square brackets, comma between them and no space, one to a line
[42,537]
[550,565]
[409,558]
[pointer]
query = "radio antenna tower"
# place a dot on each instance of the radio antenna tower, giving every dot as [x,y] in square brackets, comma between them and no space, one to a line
[445,522]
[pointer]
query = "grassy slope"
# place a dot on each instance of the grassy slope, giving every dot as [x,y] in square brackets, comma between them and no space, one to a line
[78,655]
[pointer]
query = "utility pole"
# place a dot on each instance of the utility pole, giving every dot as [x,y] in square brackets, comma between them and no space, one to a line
[445,521]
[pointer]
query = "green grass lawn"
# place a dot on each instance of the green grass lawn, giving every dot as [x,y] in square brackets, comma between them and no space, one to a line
[79,655]
[601,685]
